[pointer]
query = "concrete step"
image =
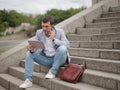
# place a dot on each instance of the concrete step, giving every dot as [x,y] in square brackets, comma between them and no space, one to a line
[92,31]
[105,65]
[12,83]
[107,19]
[95,44]
[111,14]
[102,24]
[2,88]
[56,83]
[87,31]
[97,37]
[102,79]
[115,9]
[91,63]
[76,37]
[95,53]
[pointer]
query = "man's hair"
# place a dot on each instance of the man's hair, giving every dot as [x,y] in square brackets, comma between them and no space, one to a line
[48,19]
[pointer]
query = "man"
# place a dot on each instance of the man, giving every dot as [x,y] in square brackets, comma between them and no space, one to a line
[54,55]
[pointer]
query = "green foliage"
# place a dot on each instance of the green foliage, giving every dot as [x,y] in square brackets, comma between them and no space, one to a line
[3,26]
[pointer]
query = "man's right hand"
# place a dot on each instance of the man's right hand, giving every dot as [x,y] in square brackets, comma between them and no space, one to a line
[31,48]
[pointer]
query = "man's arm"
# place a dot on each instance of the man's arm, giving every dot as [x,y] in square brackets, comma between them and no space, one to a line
[63,40]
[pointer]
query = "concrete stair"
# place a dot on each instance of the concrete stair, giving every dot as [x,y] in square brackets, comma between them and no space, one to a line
[97,46]
[114,9]
[111,14]
[96,53]
[52,84]
[97,37]
[92,31]
[107,19]
[102,24]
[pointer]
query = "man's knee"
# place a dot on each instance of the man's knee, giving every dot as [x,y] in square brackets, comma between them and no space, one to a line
[28,54]
[62,49]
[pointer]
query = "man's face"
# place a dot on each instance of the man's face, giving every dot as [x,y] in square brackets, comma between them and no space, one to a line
[46,27]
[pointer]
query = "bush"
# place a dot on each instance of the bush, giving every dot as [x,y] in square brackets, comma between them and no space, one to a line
[1,35]
[3,26]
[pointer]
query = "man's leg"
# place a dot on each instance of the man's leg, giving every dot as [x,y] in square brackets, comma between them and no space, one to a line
[59,59]
[29,64]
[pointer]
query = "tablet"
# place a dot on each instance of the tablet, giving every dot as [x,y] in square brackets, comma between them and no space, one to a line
[38,44]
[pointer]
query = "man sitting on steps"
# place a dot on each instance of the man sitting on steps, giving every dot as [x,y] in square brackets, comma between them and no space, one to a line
[54,55]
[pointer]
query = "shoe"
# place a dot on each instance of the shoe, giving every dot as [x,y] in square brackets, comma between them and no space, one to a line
[50,75]
[27,83]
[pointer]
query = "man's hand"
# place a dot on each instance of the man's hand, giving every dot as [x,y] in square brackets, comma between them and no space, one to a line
[52,35]
[31,48]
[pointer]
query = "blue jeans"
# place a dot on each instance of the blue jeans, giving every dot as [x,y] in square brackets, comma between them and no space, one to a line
[54,62]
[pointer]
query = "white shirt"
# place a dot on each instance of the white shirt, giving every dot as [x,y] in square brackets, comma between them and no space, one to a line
[49,48]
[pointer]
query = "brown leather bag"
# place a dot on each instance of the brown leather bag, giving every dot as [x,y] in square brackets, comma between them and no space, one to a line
[71,73]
